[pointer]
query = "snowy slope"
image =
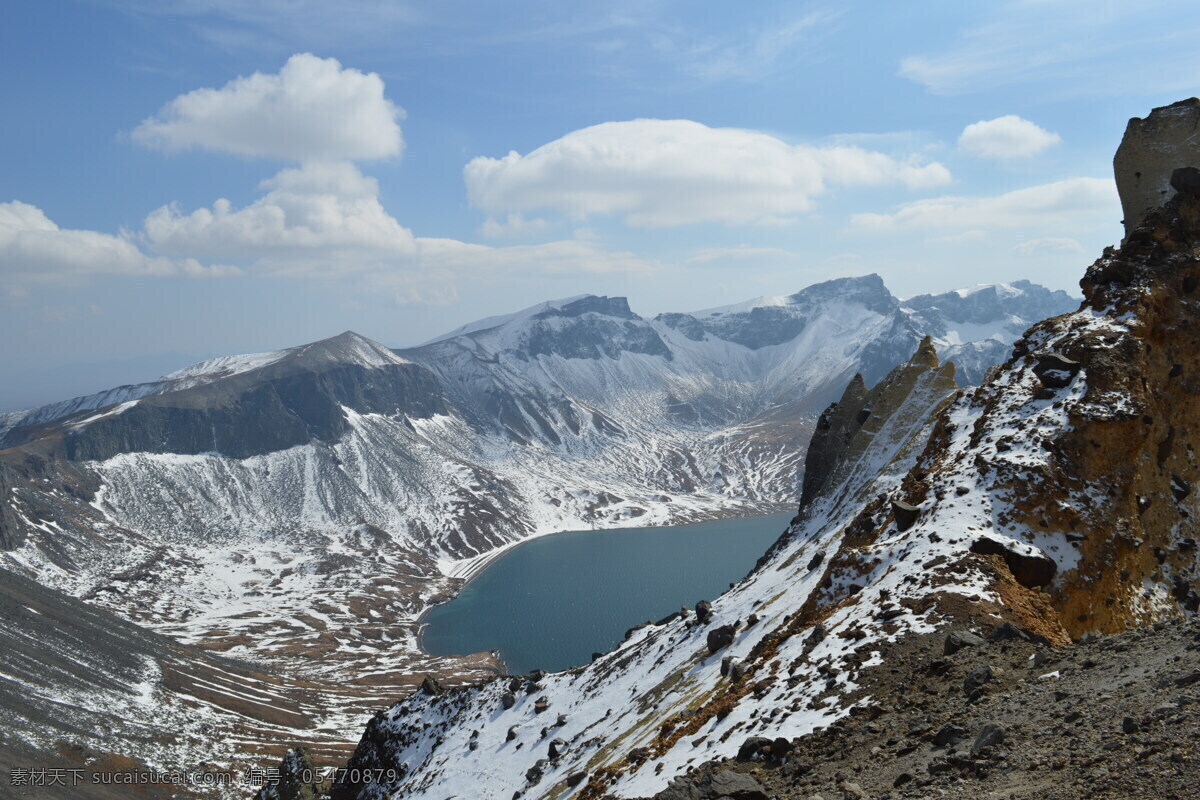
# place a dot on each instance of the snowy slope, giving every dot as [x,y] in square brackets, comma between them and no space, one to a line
[646,711]
[277,505]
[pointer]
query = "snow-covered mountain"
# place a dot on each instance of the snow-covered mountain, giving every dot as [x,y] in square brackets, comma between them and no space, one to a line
[1054,501]
[303,507]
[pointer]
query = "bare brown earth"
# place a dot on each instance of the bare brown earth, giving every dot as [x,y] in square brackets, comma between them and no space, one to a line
[1116,718]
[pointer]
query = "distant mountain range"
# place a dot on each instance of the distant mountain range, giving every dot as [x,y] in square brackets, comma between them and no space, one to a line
[303,507]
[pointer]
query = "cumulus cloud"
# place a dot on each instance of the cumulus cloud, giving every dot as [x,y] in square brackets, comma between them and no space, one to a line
[1006,137]
[321,217]
[659,173]
[312,110]
[326,219]
[1048,205]
[33,249]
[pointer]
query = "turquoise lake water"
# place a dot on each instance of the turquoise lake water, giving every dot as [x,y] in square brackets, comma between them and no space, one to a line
[551,602]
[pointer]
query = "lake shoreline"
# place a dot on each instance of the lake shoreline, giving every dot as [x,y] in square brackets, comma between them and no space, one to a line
[469,570]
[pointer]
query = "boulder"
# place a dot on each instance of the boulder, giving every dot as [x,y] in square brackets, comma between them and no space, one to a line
[780,748]
[703,611]
[1031,570]
[1055,370]
[431,686]
[535,773]
[905,514]
[557,748]
[508,700]
[949,734]
[576,778]
[541,705]
[1007,632]
[957,640]
[737,786]
[720,638]
[753,747]
[977,679]
[990,735]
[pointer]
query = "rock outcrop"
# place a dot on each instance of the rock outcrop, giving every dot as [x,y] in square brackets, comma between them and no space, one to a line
[1152,149]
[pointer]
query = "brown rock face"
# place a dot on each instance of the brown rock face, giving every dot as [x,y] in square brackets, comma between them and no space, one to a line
[1152,149]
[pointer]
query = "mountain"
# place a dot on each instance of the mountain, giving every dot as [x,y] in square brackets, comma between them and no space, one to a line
[1050,504]
[301,508]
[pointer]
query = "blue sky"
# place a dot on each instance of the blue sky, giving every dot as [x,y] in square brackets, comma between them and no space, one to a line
[185,179]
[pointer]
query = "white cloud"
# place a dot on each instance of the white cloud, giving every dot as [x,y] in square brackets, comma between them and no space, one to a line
[1048,244]
[321,217]
[1006,137]
[325,219]
[33,249]
[312,110]
[1049,205]
[658,173]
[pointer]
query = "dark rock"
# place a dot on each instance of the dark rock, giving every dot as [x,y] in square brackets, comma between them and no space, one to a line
[1186,181]
[905,514]
[737,786]
[557,748]
[815,561]
[535,773]
[1055,370]
[1189,679]
[703,611]
[720,638]
[753,747]
[299,778]
[990,735]
[512,734]
[752,620]
[431,686]
[949,734]
[977,679]
[1129,725]
[1031,570]
[727,665]
[537,675]
[1180,488]
[508,700]
[817,636]
[576,778]
[780,748]
[957,640]
[541,705]
[1007,632]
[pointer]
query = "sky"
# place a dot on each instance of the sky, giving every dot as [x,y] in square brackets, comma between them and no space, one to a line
[186,179]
